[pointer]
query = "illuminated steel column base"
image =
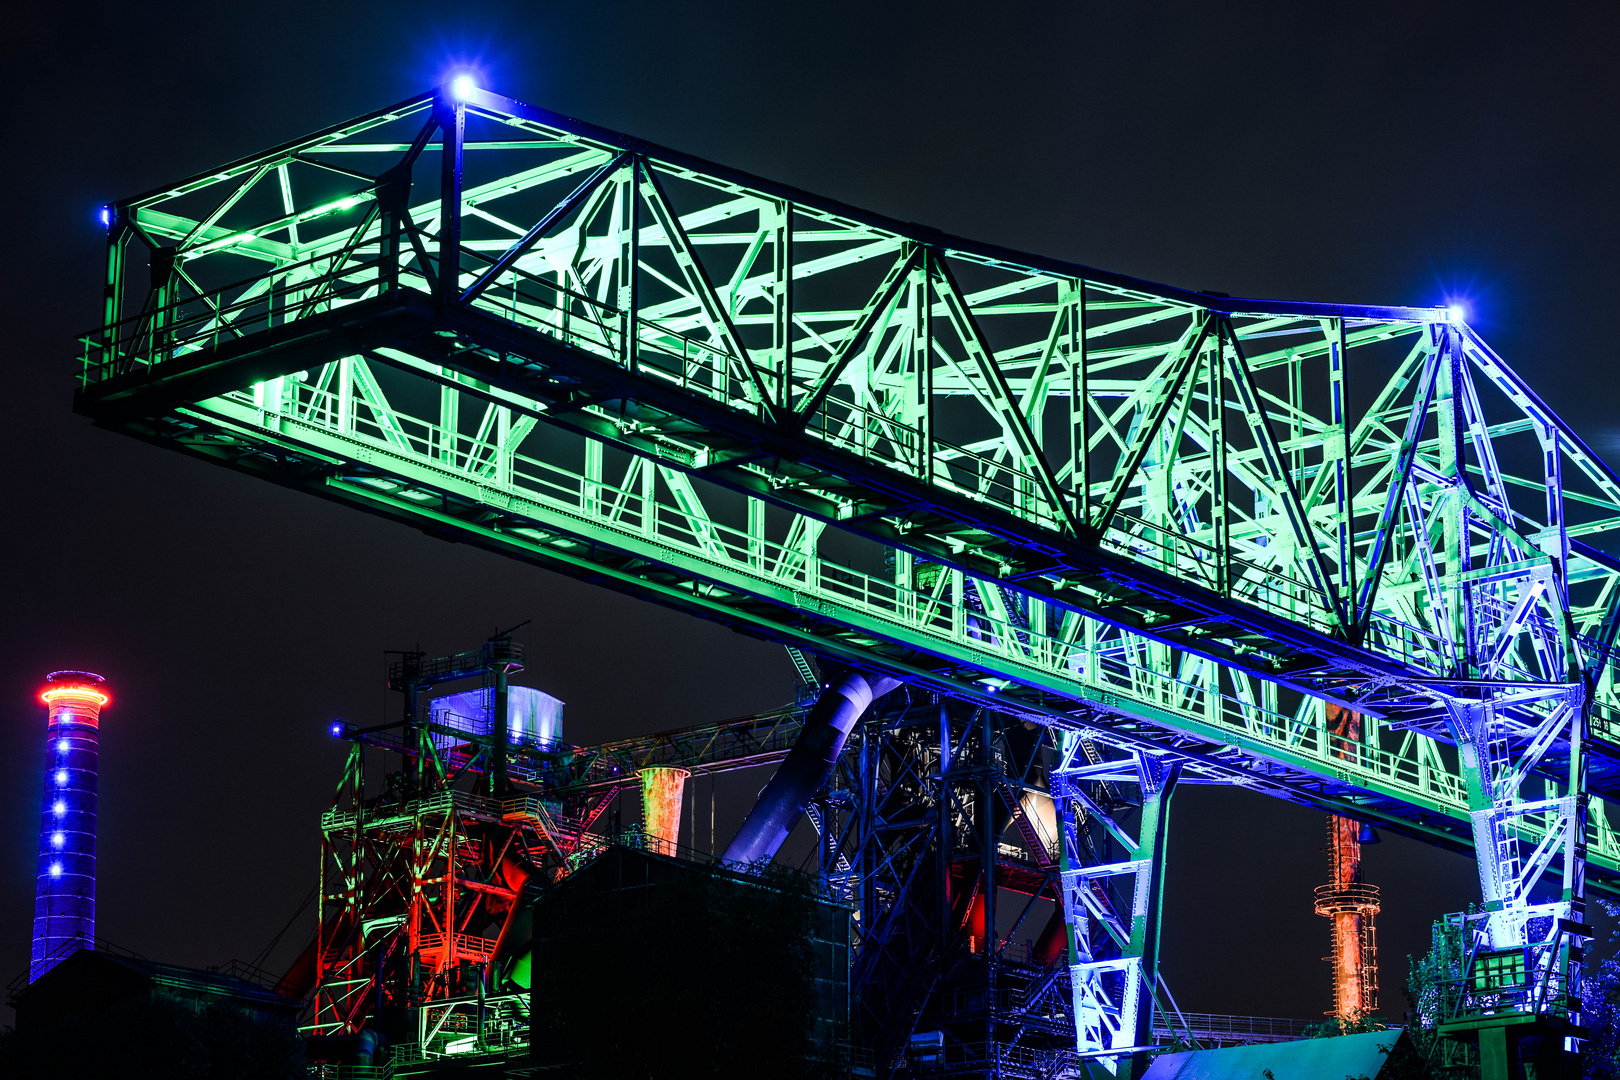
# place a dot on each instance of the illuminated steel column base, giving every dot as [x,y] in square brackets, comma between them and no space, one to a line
[65,895]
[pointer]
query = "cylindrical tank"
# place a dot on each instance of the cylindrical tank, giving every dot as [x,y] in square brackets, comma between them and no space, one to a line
[65,893]
[661,792]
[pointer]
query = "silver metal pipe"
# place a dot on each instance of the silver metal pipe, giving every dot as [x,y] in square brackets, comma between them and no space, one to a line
[807,765]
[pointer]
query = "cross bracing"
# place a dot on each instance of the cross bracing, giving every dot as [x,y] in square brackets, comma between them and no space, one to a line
[1181,522]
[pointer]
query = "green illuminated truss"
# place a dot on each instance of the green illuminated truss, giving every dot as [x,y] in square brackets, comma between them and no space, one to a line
[1178,522]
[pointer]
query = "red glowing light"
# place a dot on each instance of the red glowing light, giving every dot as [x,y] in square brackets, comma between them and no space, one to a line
[75,688]
[78,692]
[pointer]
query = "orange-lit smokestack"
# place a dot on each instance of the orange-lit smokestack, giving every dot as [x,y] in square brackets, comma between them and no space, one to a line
[1346,899]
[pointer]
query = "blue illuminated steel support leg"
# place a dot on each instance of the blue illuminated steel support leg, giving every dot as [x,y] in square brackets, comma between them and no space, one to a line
[1523,977]
[1526,945]
[1112,905]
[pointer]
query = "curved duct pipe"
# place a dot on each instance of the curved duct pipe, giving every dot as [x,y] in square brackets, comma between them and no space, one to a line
[517,932]
[806,766]
[299,981]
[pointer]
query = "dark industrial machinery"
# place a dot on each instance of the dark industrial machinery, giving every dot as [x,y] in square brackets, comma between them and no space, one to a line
[1153,523]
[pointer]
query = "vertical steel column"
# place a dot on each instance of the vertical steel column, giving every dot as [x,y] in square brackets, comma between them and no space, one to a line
[990,822]
[1158,784]
[947,843]
[1219,515]
[627,223]
[393,189]
[922,360]
[453,131]
[499,728]
[1079,406]
[161,274]
[782,303]
[112,297]
[1337,456]
[1113,953]
[416,750]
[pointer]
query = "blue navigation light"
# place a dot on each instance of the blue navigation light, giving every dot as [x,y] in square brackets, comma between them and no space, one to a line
[1456,313]
[56,839]
[461,86]
[61,776]
[106,217]
[56,869]
[63,745]
[58,807]
[337,729]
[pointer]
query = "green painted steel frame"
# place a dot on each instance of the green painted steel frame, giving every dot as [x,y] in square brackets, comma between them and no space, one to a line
[1178,521]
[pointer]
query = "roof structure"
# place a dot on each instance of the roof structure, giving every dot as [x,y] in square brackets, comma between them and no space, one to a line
[1366,1056]
[92,980]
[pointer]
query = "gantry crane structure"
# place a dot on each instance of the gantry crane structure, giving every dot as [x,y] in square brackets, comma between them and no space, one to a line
[1171,526]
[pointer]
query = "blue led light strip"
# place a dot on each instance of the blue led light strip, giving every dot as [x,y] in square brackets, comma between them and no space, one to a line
[65,894]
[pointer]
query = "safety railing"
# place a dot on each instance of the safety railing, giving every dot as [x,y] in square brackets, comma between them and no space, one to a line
[1038,652]
[328,280]
[207,319]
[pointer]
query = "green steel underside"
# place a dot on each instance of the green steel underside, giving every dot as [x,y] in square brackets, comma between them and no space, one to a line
[1176,521]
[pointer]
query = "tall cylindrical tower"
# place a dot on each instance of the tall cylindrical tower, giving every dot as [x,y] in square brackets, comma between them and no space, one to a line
[65,896]
[1348,900]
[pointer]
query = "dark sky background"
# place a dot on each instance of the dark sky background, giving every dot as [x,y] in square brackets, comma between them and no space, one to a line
[1374,152]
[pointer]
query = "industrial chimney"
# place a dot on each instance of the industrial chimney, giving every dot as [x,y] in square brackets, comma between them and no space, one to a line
[65,895]
[1348,900]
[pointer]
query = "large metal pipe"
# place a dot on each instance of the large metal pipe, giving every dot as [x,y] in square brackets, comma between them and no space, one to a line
[512,948]
[662,790]
[807,765]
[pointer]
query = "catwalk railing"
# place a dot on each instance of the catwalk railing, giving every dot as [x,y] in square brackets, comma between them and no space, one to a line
[1006,649]
[1003,412]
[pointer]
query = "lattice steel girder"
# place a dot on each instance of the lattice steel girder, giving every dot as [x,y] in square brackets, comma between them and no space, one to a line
[1092,489]
[618,520]
[1078,435]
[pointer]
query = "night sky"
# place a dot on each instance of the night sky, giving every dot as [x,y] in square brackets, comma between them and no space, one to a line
[1371,153]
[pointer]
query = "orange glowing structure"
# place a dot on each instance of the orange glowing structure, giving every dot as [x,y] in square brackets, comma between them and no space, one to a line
[662,790]
[1350,902]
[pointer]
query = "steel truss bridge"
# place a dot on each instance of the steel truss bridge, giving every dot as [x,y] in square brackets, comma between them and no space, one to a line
[1173,527]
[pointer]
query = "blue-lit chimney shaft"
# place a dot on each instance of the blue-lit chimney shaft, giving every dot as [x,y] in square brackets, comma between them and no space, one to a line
[65,896]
